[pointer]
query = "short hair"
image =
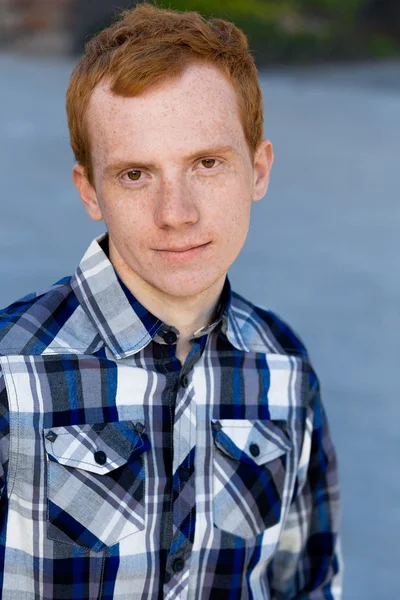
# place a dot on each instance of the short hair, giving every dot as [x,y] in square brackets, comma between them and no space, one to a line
[148,45]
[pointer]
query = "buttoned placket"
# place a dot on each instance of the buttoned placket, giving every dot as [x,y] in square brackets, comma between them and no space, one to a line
[184,443]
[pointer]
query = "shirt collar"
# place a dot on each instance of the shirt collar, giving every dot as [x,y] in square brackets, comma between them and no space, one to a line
[123,323]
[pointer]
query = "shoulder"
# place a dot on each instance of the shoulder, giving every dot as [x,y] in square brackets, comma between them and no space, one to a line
[29,324]
[263,330]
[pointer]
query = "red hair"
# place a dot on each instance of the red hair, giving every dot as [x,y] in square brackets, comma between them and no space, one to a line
[149,45]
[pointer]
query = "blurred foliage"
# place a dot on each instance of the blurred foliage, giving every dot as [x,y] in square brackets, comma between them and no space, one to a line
[282,31]
[331,6]
[383,46]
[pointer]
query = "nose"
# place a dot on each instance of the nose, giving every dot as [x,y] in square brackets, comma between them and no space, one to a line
[175,206]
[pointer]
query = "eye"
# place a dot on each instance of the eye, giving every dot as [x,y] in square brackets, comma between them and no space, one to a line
[208,162]
[134,175]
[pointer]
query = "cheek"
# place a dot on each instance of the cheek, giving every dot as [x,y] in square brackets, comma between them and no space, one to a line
[233,212]
[236,226]
[227,195]
[124,214]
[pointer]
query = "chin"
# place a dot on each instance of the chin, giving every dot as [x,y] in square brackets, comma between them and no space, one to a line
[186,287]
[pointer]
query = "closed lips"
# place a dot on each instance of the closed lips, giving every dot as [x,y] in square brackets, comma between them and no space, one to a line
[185,249]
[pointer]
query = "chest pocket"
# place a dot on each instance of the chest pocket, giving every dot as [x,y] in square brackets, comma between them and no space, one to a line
[95,482]
[249,474]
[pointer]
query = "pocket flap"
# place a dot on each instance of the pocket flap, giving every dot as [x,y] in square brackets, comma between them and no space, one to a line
[98,447]
[257,440]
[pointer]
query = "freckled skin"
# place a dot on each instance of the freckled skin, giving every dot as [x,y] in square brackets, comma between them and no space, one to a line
[177,201]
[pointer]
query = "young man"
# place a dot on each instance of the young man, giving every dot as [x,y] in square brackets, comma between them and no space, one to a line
[162,437]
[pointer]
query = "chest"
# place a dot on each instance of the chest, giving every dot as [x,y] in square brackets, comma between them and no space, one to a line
[103,451]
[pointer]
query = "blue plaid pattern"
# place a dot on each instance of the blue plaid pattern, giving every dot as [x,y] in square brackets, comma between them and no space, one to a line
[126,475]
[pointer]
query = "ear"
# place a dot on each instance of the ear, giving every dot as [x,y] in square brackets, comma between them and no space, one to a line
[87,193]
[263,160]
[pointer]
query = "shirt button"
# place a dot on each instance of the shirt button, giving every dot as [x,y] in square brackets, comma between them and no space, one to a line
[139,428]
[170,337]
[184,381]
[184,474]
[100,457]
[51,436]
[217,426]
[255,450]
[178,565]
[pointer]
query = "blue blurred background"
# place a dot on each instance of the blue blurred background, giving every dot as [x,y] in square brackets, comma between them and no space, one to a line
[324,243]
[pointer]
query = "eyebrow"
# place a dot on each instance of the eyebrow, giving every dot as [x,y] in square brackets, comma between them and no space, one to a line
[119,166]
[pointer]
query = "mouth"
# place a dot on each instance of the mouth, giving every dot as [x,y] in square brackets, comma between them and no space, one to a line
[183,248]
[180,254]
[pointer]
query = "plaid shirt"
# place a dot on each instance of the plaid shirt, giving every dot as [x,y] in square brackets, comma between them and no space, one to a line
[126,475]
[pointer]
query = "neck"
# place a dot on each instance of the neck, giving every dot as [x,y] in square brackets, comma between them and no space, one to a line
[187,314]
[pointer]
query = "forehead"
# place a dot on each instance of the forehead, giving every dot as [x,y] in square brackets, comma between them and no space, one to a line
[199,107]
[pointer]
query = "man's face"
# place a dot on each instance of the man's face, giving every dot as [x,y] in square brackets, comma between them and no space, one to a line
[172,170]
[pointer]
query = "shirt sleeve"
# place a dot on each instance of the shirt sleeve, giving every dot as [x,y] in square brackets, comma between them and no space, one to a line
[307,565]
[4,434]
